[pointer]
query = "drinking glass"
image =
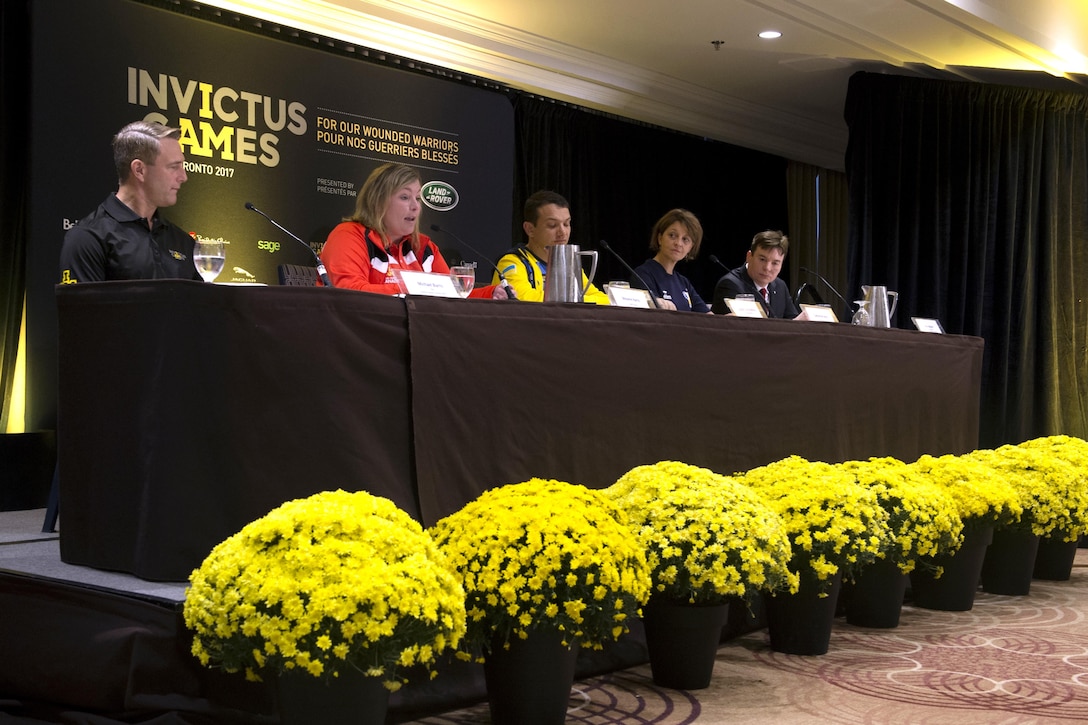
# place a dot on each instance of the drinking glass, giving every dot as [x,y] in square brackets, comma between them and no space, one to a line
[862,317]
[208,256]
[464,278]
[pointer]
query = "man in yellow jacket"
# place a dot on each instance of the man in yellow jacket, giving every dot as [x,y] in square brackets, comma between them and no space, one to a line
[547,222]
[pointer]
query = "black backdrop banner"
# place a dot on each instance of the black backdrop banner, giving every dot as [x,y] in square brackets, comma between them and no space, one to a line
[291,129]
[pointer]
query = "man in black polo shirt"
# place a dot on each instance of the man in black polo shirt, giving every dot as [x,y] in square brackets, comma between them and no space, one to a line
[125,238]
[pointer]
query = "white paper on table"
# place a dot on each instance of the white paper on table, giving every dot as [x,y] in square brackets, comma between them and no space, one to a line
[629,297]
[820,313]
[926,324]
[426,283]
[745,308]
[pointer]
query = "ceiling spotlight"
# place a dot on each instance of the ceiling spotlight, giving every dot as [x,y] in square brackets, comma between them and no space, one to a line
[717,44]
[770,34]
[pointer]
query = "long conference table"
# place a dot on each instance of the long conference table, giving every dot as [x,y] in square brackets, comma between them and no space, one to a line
[187,410]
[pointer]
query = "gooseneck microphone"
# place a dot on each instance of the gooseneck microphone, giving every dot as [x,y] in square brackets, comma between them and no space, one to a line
[653,298]
[830,286]
[502,280]
[714,258]
[320,266]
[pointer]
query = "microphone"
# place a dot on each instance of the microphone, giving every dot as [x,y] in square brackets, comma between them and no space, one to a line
[604,245]
[830,286]
[320,266]
[714,258]
[502,280]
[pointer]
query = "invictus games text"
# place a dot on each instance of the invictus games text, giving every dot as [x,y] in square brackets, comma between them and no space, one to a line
[218,122]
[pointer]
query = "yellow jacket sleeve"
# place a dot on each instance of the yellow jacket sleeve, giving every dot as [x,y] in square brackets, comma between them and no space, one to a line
[513,270]
[593,294]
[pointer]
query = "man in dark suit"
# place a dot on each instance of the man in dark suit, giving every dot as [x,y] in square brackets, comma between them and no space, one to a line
[759,278]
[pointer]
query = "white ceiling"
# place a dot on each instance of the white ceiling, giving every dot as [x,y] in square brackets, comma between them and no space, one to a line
[657,60]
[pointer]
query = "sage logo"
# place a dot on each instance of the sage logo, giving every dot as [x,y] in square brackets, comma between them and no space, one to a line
[439,195]
[269,247]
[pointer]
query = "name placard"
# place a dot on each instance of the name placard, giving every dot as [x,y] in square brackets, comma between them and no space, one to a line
[426,283]
[819,313]
[745,308]
[629,297]
[926,324]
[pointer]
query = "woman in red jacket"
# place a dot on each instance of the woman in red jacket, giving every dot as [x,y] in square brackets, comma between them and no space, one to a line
[364,251]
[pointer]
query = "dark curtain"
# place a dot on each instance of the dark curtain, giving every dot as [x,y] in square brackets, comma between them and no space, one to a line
[14,165]
[971,200]
[620,176]
[819,218]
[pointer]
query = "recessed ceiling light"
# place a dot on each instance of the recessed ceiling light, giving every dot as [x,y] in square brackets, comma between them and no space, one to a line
[770,34]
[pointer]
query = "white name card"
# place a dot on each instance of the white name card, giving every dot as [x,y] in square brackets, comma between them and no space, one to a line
[426,283]
[745,308]
[819,313]
[629,297]
[926,324]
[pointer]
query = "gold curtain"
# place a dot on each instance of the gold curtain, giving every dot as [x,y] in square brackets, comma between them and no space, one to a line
[818,207]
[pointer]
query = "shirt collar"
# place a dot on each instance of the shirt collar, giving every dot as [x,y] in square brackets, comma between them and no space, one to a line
[123,213]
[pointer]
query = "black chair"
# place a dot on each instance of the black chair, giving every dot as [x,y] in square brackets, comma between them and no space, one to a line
[297,275]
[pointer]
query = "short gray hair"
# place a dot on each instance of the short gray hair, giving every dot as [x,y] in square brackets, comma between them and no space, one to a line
[139,140]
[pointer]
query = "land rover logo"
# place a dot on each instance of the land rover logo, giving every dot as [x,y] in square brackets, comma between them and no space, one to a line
[439,195]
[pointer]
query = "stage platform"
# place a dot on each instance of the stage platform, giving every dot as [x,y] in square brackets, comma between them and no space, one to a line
[85,647]
[88,646]
[25,549]
[82,645]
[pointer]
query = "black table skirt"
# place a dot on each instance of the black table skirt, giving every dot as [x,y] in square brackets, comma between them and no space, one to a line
[188,410]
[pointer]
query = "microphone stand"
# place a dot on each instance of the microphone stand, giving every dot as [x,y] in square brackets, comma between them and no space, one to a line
[653,298]
[714,258]
[502,280]
[830,286]
[320,265]
[766,303]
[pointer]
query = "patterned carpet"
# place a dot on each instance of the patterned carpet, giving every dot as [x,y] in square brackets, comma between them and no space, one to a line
[1010,660]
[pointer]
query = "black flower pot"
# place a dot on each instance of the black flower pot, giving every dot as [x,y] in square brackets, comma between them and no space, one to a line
[800,624]
[875,597]
[1009,562]
[682,640]
[529,683]
[1054,560]
[350,699]
[955,590]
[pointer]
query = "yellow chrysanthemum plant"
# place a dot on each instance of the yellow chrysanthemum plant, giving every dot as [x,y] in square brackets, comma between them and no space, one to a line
[833,523]
[923,519]
[1051,489]
[1070,449]
[1073,451]
[544,555]
[707,538]
[322,585]
[983,497]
